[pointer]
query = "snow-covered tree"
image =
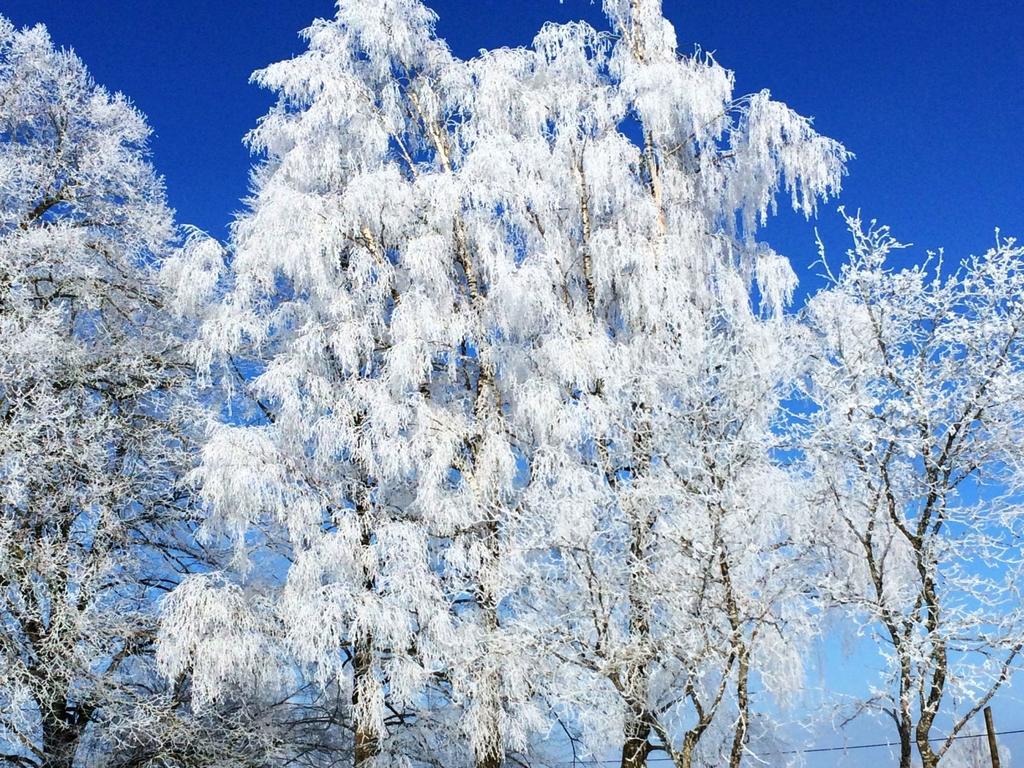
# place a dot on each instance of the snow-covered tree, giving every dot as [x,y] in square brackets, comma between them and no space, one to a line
[496,315]
[915,443]
[90,389]
[718,570]
[666,409]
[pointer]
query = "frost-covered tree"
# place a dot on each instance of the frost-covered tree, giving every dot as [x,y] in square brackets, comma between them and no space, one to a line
[496,315]
[718,570]
[665,411]
[90,445]
[916,444]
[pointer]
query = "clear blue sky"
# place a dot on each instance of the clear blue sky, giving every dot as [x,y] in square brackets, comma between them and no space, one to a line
[928,94]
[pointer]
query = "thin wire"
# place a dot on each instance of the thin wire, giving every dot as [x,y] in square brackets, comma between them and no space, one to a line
[815,750]
[890,744]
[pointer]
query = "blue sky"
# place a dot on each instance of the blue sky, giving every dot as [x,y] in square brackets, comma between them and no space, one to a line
[928,94]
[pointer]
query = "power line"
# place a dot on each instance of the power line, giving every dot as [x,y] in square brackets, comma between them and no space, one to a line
[813,750]
[816,750]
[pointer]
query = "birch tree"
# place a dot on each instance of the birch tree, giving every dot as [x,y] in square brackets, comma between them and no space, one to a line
[916,445]
[476,307]
[92,524]
[345,424]
[653,484]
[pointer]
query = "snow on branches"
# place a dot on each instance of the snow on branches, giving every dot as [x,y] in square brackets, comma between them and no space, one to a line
[516,405]
[91,393]
[915,443]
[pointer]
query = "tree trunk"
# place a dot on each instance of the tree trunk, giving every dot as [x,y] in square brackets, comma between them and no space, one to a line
[60,737]
[939,662]
[367,744]
[637,732]
[491,758]
[493,752]
[739,738]
[742,650]
[636,742]
[906,752]
[59,725]
[636,745]
[928,757]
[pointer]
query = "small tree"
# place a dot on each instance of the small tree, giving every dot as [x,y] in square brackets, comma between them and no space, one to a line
[916,445]
[91,444]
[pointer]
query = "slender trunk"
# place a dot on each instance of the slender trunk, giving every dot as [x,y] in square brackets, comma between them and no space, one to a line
[63,722]
[904,723]
[636,742]
[487,405]
[60,737]
[636,746]
[585,220]
[686,755]
[902,717]
[367,745]
[906,753]
[742,651]
[491,758]
[739,738]
[60,725]
[634,685]
[939,661]
[928,757]
[492,754]
[367,742]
